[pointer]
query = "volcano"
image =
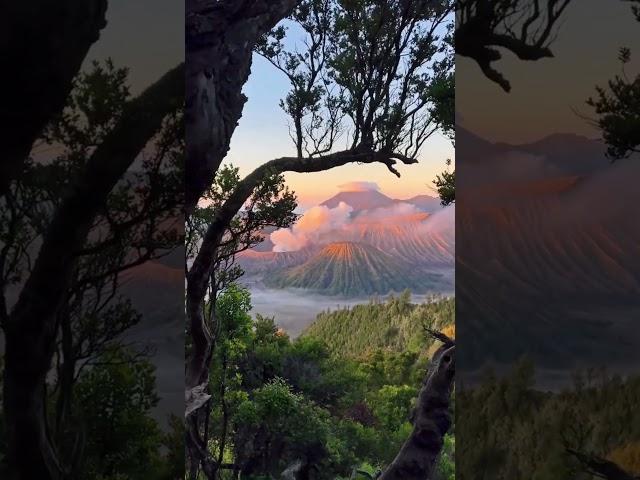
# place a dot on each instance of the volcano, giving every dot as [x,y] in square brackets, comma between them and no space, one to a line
[547,261]
[360,200]
[351,268]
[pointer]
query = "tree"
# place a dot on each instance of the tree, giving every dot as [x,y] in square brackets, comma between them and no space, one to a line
[54,40]
[221,37]
[271,204]
[431,419]
[116,398]
[383,71]
[617,107]
[232,308]
[523,27]
[78,225]
[446,185]
[136,225]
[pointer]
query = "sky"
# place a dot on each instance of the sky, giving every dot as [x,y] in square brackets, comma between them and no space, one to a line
[547,93]
[148,44]
[263,134]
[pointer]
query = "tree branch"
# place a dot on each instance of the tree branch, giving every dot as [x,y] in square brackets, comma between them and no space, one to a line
[31,328]
[600,467]
[221,37]
[54,39]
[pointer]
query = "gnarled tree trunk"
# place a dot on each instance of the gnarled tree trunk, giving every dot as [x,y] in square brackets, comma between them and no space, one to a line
[42,48]
[30,330]
[221,37]
[431,421]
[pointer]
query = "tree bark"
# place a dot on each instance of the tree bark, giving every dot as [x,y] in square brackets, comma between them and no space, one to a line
[30,331]
[42,49]
[432,418]
[221,37]
[601,467]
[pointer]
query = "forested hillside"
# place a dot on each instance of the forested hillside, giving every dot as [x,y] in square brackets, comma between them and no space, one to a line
[395,325]
[589,431]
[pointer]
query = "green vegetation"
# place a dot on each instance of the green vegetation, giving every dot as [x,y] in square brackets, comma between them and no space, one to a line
[302,405]
[598,418]
[396,325]
[115,435]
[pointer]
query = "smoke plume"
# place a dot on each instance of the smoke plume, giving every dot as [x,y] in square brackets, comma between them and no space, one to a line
[310,226]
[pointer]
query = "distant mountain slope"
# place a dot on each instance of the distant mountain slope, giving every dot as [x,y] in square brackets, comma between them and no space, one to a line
[549,265]
[557,155]
[360,200]
[421,239]
[348,268]
[396,325]
[424,202]
[253,261]
[571,154]
[372,199]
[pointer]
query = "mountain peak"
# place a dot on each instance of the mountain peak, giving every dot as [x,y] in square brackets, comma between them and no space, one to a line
[360,200]
[344,250]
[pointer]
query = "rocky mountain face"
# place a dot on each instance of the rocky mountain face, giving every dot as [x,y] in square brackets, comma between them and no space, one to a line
[548,248]
[385,246]
[353,269]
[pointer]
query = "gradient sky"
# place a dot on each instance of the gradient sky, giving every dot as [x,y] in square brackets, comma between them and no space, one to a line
[148,43]
[263,134]
[151,47]
[545,93]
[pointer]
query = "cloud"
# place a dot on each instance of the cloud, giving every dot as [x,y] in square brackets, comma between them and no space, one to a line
[320,224]
[284,240]
[443,222]
[316,221]
[359,187]
[394,213]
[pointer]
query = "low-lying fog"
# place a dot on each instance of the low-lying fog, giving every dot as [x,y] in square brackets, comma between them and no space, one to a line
[295,309]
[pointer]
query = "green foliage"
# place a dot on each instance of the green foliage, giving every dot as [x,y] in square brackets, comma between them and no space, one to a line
[395,325]
[446,185]
[285,401]
[381,71]
[392,404]
[618,112]
[114,400]
[617,107]
[271,204]
[388,86]
[447,465]
[94,107]
[597,415]
[173,441]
